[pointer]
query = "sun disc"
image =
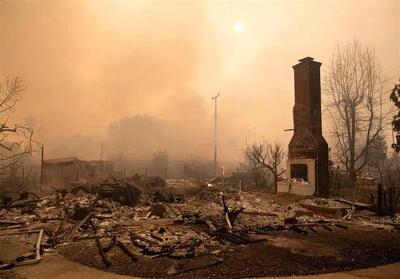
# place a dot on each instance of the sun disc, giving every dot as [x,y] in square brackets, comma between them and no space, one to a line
[239,27]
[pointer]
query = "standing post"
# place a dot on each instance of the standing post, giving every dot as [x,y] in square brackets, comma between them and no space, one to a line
[215,132]
[101,153]
[380,199]
[23,178]
[41,169]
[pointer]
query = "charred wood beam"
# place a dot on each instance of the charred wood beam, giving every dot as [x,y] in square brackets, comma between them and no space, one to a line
[125,250]
[102,253]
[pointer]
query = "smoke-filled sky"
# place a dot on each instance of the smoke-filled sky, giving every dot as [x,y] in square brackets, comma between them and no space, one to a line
[92,64]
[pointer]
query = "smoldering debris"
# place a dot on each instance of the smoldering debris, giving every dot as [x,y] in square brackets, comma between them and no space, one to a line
[205,221]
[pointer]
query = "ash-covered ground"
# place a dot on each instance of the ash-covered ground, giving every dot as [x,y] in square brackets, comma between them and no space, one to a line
[190,231]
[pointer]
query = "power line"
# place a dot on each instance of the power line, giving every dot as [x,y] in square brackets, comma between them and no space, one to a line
[111,126]
[99,141]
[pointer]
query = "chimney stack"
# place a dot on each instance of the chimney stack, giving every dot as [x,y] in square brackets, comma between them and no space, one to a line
[308,150]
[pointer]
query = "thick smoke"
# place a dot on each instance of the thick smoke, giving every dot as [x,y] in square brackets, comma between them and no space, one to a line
[92,65]
[88,64]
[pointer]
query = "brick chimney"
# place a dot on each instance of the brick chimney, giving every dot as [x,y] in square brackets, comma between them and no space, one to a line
[307,141]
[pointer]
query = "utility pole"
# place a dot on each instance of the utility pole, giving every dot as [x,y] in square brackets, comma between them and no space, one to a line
[41,169]
[101,153]
[215,98]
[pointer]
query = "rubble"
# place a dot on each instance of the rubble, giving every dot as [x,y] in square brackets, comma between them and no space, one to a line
[298,181]
[208,221]
[119,191]
[145,181]
[325,207]
[27,258]
[158,210]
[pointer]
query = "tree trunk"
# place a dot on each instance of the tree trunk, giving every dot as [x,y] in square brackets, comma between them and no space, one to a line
[352,145]
[352,178]
[380,199]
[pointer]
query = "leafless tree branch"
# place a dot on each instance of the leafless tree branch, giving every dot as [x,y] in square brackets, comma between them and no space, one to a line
[15,142]
[263,155]
[353,92]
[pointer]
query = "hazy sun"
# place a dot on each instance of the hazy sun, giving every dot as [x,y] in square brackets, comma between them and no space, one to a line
[239,27]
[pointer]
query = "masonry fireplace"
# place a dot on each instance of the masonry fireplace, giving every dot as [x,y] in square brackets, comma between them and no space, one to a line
[299,171]
[307,164]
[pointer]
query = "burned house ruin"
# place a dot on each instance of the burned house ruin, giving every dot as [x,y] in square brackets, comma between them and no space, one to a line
[307,164]
[61,172]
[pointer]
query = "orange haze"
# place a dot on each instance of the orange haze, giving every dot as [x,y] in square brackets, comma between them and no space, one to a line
[89,64]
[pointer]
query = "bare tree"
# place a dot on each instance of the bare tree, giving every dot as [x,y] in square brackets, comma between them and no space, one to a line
[353,98]
[395,98]
[388,194]
[15,140]
[263,155]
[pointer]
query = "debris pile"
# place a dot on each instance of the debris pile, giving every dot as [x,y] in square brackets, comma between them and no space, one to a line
[163,223]
[298,181]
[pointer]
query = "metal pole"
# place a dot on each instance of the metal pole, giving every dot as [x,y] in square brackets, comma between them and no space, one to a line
[41,169]
[215,139]
[101,152]
[215,132]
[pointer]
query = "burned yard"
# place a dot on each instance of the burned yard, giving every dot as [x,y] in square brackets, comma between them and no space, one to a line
[204,233]
[199,139]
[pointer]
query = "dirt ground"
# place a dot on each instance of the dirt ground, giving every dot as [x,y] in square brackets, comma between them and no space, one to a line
[365,241]
[282,254]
